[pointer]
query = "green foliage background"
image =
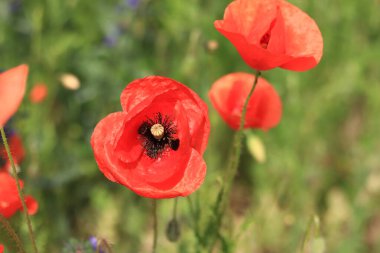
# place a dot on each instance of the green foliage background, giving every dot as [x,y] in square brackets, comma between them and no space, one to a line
[322,159]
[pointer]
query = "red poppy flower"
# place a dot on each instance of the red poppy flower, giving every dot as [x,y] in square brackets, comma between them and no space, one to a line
[9,199]
[17,150]
[155,145]
[272,33]
[38,93]
[1,248]
[12,89]
[229,93]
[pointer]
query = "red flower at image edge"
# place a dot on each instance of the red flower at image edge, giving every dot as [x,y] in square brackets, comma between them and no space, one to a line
[38,93]
[17,150]
[229,93]
[1,248]
[9,199]
[155,145]
[12,90]
[272,33]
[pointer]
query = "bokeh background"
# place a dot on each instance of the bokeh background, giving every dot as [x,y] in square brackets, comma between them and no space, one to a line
[322,160]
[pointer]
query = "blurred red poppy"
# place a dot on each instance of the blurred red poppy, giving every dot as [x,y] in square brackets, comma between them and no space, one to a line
[1,248]
[38,93]
[229,93]
[17,150]
[155,145]
[12,89]
[272,33]
[9,199]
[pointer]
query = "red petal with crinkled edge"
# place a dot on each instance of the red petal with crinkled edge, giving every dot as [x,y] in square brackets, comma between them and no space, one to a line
[269,34]
[105,135]
[12,90]
[229,92]
[118,147]
[136,97]
[304,40]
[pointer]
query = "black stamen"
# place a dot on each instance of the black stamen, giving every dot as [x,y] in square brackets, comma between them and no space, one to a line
[143,128]
[174,144]
[155,147]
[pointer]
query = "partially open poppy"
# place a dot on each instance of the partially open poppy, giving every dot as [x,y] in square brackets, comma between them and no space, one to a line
[17,150]
[9,198]
[272,33]
[38,93]
[229,93]
[155,145]
[12,89]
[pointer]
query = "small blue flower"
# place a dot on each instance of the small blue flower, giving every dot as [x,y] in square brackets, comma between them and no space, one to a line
[132,3]
[94,244]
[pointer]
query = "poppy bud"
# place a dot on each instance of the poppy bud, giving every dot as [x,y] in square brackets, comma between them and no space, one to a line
[173,230]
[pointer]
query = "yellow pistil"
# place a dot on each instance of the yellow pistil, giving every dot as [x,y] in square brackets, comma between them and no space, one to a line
[157,130]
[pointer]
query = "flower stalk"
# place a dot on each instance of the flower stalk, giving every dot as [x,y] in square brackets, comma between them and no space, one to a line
[232,166]
[19,190]
[234,159]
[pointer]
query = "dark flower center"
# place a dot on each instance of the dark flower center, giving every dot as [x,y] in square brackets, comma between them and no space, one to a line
[264,41]
[157,135]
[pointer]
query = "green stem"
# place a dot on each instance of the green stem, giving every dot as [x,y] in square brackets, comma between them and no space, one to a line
[233,163]
[155,227]
[236,146]
[175,208]
[19,190]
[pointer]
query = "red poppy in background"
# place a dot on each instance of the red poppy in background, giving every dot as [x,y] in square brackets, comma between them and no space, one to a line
[38,93]
[12,89]
[17,150]
[229,93]
[272,33]
[1,248]
[9,199]
[155,145]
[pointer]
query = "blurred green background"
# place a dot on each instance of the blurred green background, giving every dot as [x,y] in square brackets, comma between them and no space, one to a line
[322,159]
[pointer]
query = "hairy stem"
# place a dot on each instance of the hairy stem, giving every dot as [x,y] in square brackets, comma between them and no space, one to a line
[19,190]
[12,234]
[233,163]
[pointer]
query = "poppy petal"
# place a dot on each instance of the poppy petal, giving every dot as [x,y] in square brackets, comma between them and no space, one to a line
[12,89]
[149,166]
[229,92]
[101,140]
[269,34]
